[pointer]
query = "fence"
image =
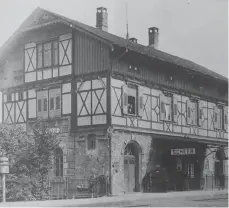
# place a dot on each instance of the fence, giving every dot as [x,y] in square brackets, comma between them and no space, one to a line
[78,188]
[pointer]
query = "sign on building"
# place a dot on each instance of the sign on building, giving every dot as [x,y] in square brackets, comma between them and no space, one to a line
[188,151]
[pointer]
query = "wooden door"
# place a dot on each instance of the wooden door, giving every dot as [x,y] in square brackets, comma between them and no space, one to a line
[126,174]
[129,173]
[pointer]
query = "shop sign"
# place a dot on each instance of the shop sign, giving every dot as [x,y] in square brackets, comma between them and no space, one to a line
[188,151]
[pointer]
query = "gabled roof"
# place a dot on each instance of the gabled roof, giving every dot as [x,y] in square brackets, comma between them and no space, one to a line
[48,17]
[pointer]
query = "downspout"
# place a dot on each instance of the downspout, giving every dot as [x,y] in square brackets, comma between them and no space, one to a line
[110,129]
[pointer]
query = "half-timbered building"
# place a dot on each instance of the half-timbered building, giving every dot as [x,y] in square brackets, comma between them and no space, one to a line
[122,108]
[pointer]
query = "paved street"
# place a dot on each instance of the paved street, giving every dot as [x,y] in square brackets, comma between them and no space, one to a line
[218,201]
[172,199]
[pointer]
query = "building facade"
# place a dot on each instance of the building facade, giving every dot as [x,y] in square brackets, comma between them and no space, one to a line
[121,108]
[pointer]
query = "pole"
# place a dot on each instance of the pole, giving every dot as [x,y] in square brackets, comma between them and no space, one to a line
[110,180]
[3,188]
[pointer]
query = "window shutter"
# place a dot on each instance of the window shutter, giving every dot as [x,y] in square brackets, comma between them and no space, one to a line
[225,118]
[30,57]
[175,109]
[189,112]
[200,113]
[140,102]
[215,117]
[124,99]
[162,107]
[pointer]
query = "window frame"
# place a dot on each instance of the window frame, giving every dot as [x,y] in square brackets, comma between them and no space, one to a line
[52,54]
[59,159]
[133,87]
[9,97]
[196,102]
[165,102]
[221,117]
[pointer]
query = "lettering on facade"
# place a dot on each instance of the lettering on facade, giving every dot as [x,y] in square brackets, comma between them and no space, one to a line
[188,151]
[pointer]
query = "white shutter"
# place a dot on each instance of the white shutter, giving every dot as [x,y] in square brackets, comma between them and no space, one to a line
[216,118]
[124,99]
[189,112]
[140,101]
[225,118]
[30,57]
[200,113]
[45,105]
[175,109]
[162,107]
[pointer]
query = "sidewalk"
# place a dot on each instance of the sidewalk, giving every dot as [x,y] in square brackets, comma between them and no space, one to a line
[118,199]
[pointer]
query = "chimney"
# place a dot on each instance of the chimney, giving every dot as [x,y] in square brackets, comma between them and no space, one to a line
[153,37]
[134,40]
[101,19]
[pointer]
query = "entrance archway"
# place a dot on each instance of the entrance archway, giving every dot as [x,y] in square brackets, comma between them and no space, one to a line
[132,166]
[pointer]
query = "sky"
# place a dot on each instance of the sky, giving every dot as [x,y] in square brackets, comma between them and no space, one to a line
[192,29]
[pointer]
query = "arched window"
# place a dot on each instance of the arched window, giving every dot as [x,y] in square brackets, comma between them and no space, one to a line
[58,154]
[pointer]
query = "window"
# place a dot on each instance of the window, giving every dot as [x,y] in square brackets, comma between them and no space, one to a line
[132,100]
[58,154]
[39,105]
[45,104]
[55,57]
[47,54]
[165,107]
[39,56]
[91,142]
[9,97]
[20,96]
[51,103]
[57,102]
[220,118]
[192,112]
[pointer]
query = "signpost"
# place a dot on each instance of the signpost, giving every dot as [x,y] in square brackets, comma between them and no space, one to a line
[4,168]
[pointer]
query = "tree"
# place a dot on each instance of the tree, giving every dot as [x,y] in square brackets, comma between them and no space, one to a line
[30,159]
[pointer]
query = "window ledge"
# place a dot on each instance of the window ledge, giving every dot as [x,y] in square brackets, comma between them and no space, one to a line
[133,116]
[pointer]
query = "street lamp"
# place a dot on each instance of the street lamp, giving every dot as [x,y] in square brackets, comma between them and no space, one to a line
[4,169]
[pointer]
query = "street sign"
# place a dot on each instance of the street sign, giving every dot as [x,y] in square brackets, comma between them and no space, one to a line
[185,151]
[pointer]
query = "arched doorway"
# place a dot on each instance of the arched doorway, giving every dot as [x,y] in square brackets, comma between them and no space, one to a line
[132,164]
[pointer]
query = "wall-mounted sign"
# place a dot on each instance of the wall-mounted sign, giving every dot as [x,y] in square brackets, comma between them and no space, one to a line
[188,151]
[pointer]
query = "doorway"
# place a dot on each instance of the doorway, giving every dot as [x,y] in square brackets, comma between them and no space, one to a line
[132,155]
